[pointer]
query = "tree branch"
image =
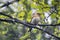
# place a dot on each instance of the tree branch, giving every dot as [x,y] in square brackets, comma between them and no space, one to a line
[1,13]
[14,20]
[28,25]
[8,3]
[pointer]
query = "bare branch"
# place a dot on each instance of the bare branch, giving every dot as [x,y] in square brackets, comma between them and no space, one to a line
[28,25]
[15,20]
[1,13]
[8,3]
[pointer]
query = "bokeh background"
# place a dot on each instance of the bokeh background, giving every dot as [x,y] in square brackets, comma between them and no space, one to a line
[23,10]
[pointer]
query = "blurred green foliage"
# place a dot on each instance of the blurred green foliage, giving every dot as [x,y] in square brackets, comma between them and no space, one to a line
[9,31]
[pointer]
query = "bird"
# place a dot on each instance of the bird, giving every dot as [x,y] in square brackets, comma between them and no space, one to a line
[35,20]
